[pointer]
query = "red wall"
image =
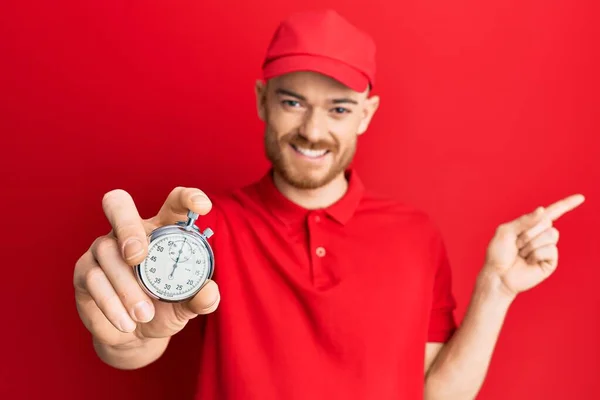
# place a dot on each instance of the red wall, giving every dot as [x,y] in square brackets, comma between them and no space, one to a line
[489,109]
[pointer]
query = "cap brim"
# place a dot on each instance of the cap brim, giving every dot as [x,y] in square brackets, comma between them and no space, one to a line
[334,69]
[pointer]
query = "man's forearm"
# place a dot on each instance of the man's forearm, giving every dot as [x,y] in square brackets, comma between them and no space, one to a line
[460,368]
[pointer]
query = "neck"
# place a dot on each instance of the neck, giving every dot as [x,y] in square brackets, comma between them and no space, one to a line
[312,199]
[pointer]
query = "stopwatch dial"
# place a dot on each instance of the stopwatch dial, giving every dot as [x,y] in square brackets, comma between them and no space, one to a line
[177,265]
[180,250]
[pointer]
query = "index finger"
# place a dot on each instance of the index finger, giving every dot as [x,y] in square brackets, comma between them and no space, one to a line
[127,225]
[561,207]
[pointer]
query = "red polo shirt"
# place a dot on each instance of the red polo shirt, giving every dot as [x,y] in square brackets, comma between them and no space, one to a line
[336,303]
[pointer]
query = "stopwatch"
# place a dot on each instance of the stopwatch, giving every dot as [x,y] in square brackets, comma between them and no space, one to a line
[179,261]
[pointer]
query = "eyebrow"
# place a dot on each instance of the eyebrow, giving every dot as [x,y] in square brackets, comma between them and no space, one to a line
[286,92]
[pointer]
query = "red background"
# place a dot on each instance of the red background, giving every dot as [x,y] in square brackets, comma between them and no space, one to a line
[488,110]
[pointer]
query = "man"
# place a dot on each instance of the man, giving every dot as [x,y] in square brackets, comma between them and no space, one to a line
[325,290]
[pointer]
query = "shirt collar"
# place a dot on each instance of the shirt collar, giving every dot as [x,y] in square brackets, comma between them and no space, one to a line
[289,212]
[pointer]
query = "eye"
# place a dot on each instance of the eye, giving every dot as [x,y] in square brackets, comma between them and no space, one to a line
[341,110]
[291,103]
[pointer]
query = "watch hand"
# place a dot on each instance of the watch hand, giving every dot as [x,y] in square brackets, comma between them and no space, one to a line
[176,261]
[180,251]
[173,271]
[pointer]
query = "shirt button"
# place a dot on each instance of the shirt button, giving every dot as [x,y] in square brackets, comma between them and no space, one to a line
[317,218]
[320,251]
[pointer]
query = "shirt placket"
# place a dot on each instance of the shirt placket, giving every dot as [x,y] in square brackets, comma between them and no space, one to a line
[317,247]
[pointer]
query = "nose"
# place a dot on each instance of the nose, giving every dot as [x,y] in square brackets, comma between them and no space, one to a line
[314,127]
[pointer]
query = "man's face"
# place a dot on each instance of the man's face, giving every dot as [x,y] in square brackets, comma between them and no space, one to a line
[312,124]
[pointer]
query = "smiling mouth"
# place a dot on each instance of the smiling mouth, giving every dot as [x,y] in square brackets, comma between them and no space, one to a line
[310,153]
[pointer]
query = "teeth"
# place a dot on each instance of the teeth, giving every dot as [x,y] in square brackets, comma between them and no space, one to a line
[311,153]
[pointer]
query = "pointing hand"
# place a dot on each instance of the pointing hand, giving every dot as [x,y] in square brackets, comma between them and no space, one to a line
[523,252]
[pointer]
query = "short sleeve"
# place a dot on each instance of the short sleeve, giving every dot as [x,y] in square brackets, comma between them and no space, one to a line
[442,322]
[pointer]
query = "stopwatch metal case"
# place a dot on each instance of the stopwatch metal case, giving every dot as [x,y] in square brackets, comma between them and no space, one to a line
[183,228]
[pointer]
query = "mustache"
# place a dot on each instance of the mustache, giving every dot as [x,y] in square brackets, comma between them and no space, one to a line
[300,141]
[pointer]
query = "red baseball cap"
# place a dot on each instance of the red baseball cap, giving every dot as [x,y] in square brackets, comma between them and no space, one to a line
[324,42]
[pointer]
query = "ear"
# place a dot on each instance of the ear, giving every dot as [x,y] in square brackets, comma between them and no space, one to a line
[260,89]
[370,107]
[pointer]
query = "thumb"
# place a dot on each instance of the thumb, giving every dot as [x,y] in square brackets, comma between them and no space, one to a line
[206,300]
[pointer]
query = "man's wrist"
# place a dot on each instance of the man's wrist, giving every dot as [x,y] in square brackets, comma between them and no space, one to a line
[490,288]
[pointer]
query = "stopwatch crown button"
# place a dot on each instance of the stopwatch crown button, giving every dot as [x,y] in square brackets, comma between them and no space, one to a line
[208,233]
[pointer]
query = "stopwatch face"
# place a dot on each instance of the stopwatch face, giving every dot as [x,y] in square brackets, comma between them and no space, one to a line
[176,267]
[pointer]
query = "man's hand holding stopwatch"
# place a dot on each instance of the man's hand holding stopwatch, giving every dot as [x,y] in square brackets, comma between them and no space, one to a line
[129,328]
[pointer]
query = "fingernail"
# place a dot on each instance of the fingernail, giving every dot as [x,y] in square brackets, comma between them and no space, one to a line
[200,200]
[142,311]
[126,324]
[133,248]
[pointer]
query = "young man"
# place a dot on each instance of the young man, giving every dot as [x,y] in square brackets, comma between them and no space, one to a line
[325,290]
